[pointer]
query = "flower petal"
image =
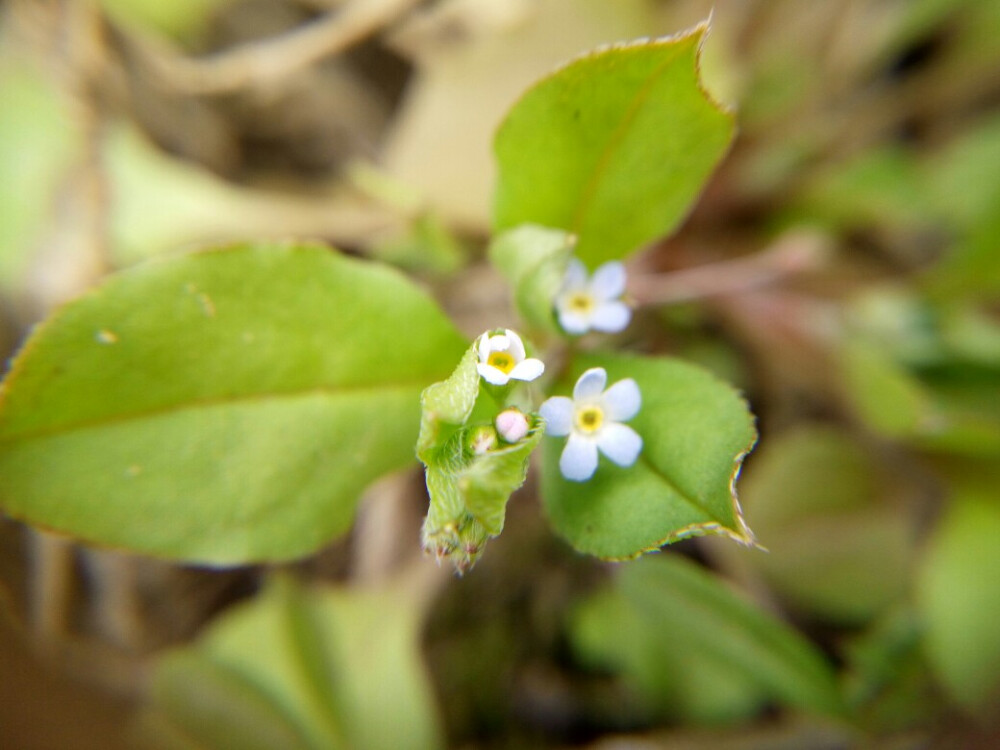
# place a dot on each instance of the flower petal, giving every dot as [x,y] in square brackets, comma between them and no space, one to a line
[558,415]
[573,322]
[608,281]
[483,347]
[528,369]
[611,317]
[492,375]
[620,443]
[622,400]
[578,461]
[575,276]
[499,343]
[515,346]
[590,384]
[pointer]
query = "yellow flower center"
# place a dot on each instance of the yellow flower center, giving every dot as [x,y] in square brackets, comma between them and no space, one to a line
[589,418]
[580,302]
[503,361]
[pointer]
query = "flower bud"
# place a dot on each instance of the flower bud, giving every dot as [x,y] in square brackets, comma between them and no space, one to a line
[482,439]
[512,425]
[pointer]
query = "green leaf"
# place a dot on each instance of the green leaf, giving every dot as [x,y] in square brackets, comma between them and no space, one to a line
[222,407]
[609,633]
[695,431]
[958,592]
[303,669]
[469,490]
[534,261]
[885,395]
[471,471]
[837,546]
[445,406]
[676,612]
[960,418]
[38,149]
[613,147]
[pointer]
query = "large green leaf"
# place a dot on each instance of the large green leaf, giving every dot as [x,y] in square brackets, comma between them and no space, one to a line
[614,147]
[223,407]
[301,669]
[695,430]
[675,615]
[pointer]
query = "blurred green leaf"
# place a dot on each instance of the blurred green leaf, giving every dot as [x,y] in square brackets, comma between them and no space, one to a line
[223,407]
[310,669]
[884,394]
[667,610]
[958,592]
[964,177]
[694,685]
[972,268]
[836,547]
[958,418]
[534,261]
[695,431]
[426,246]
[38,146]
[882,187]
[887,681]
[614,147]
[181,19]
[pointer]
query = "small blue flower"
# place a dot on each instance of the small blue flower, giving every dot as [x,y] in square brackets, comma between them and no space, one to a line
[583,304]
[593,421]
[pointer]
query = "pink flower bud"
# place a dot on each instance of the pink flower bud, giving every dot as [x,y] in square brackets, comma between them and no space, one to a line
[512,425]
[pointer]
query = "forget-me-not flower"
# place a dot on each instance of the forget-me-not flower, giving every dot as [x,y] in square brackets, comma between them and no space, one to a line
[593,421]
[584,303]
[501,359]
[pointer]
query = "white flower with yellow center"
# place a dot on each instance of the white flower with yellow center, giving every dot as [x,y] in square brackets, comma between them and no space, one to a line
[501,359]
[583,304]
[592,420]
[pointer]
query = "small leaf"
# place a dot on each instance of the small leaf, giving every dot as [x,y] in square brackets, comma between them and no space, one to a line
[611,634]
[534,260]
[693,609]
[695,431]
[447,404]
[222,407]
[959,596]
[39,148]
[614,147]
[216,706]
[469,491]
[303,669]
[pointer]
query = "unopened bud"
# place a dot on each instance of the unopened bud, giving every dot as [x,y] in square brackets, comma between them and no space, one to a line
[512,425]
[482,439]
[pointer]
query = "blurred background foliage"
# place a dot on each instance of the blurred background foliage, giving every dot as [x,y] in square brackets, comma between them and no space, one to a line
[842,268]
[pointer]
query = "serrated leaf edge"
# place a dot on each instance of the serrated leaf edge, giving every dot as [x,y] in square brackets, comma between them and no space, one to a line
[741,534]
